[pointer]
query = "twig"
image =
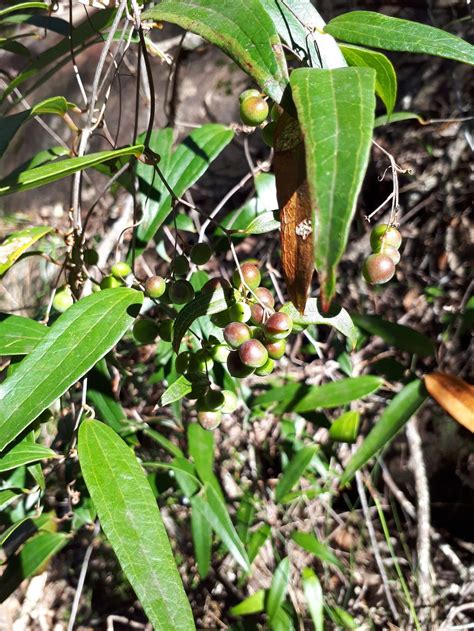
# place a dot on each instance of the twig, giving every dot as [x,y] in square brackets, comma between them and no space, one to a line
[82,579]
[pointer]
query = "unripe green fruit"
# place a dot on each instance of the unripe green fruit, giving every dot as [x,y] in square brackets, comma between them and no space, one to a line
[200,362]
[221,319]
[236,333]
[236,367]
[276,349]
[181,292]
[392,252]
[121,269]
[250,274]
[182,361]
[145,331]
[378,269]
[216,283]
[110,282]
[91,257]
[266,369]
[155,287]
[63,299]
[246,94]
[278,326]
[239,312]
[219,353]
[209,420]
[213,401]
[165,329]
[253,111]
[231,402]
[253,354]
[384,234]
[256,313]
[268,134]
[180,265]
[200,253]
[265,297]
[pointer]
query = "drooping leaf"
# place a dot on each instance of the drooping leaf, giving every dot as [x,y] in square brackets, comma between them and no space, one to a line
[7,496]
[342,619]
[201,450]
[243,30]
[16,243]
[176,391]
[454,395]
[257,539]
[25,452]
[189,161]
[398,335]
[202,541]
[278,588]
[393,418]
[337,317]
[255,603]
[23,6]
[213,509]
[397,117]
[338,393]
[320,550]
[33,556]
[78,339]
[386,78]
[368,28]
[336,114]
[294,471]
[131,520]
[345,428]
[314,597]
[18,335]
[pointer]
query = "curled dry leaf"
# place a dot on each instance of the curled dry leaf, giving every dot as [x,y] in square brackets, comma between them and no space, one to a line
[454,395]
[295,206]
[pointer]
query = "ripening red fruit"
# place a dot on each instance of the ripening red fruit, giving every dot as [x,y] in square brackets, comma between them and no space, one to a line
[209,420]
[200,253]
[253,111]
[181,292]
[256,313]
[236,367]
[278,326]
[265,296]
[378,269]
[236,333]
[253,354]
[384,234]
[276,349]
[155,287]
[250,274]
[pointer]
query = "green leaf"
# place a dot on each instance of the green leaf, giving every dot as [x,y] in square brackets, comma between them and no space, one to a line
[300,27]
[201,450]
[397,117]
[381,31]
[278,589]
[255,603]
[205,303]
[337,317]
[130,519]
[176,391]
[336,114]
[257,539]
[262,224]
[338,393]
[314,597]
[345,428]
[8,43]
[7,496]
[170,447]
[39,176]
[18,335]
[293,472]
[342,619]
[212,508]
[78,339]
[398,335]
[308,542]
[25,452]
[242,29]
[386,78]
[394,417]
[54,105]
[190,160]
[245,516]
[33,556]
[202,541]
[22,6]
[16,243]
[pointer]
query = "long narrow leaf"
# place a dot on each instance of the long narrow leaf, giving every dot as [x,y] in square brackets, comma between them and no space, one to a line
[18,335]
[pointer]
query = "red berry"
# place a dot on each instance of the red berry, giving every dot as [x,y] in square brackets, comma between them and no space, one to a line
[253,354]
[209,420]
[265,297]
[253,111]
[250,274]
[236,333]
[378,269]
[155,287]
[392,252]
[276,349]
[278,326]
[256,313]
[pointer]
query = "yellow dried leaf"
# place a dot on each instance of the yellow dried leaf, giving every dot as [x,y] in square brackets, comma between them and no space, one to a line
[454,395]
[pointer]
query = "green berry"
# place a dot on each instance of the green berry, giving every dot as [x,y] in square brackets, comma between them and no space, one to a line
[155,287]
[213,401]
[268,134]
[378,269]
[231,402]
[200,253]
[253,354]
[145,331]
[253,111]
[384,234]
[91,257]
[165,329]
[121,269]
[240,312]
[200,362]
[110,282]
[181,292]
[276,349]
[209,420]
[63,299]
[250,274]
[236,367]
[266,369]
[219,353]
[236,333]
[278,326]
[246,94]
[180,265]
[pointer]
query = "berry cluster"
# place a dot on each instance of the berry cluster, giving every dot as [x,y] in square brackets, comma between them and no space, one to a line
[379,267]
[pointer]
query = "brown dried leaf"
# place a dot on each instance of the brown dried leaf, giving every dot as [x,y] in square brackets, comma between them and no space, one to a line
[295,207]
[454,395]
